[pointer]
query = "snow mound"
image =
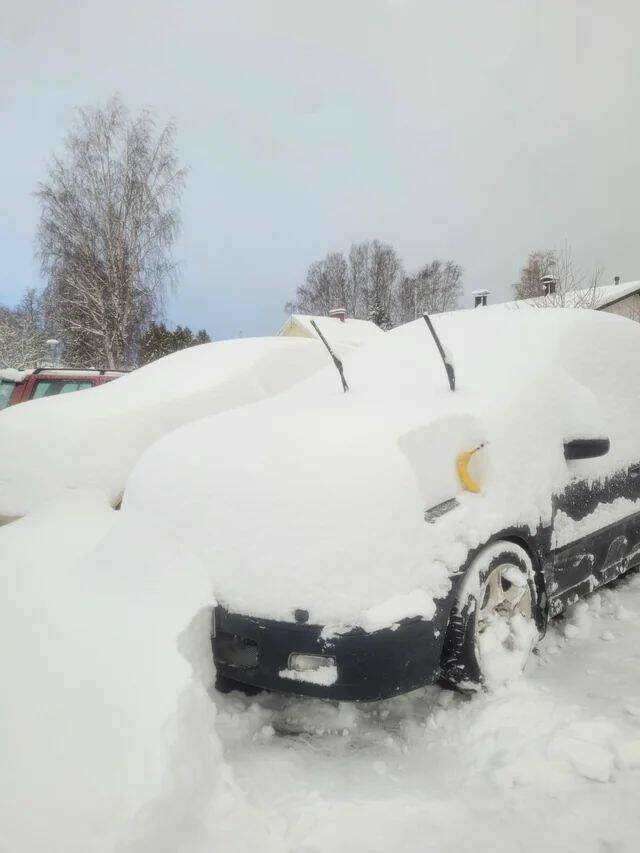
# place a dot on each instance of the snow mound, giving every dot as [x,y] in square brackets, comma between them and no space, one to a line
[91,441]
[109,739]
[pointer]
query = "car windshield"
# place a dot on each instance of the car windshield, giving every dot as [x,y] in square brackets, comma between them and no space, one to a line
[49,387]
[6,390]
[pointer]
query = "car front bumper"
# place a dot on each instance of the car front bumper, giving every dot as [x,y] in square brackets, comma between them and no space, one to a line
[370,666]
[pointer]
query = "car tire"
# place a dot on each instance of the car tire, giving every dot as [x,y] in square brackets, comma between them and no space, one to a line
[493,625]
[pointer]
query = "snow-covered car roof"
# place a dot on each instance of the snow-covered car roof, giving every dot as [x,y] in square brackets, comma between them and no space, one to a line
[10,374]
[318,501]
[77,371]
[91,441]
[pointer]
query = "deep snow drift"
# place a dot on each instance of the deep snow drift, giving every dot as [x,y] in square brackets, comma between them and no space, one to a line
[112,742]
[91,675]
[92,440]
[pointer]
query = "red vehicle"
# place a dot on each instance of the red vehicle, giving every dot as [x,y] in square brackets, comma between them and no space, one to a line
[18,386]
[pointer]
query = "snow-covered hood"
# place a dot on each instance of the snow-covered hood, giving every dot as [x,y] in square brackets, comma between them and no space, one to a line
[284,521]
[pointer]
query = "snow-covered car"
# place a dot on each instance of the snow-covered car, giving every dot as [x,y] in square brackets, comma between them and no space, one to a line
[363,544]
[18,386]
[67,442]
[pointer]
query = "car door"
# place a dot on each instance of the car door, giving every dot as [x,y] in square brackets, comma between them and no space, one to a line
[593,532]
[631,495]
[596,523]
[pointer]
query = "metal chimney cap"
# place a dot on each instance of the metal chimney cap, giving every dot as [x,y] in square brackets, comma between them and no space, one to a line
[339,314]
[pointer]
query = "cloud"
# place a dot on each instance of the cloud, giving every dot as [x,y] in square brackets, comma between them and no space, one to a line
[477,131]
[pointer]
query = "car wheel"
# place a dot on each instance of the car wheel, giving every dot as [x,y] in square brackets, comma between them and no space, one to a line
[492,628]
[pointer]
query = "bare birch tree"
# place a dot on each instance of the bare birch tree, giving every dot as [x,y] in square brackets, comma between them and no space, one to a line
[435,288]
[539,264]
[552,280]
[326,286]
[109,218]
[365,284]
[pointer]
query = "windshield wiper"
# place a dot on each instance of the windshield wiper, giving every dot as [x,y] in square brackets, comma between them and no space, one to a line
[448,364]
[335,358]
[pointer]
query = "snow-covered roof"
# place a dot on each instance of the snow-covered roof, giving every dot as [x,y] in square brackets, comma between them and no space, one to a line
[10,374]
[350,333]
[595,297]
[610,293]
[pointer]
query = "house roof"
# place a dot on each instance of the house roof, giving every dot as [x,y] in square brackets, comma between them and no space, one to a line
[597,298]
[351,333]
[609,294]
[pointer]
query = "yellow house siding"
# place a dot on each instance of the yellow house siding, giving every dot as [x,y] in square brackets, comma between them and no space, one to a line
[295,330]
[629,307]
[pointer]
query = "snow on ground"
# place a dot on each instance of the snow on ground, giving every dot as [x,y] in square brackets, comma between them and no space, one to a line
[97,681]
[113,740]
[551,762]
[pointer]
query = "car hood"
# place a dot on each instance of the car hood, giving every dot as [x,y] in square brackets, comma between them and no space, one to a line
[320,511]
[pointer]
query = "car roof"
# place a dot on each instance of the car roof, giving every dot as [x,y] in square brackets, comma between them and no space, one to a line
[76,371]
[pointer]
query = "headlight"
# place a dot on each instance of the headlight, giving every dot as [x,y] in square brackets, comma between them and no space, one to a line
[309,663]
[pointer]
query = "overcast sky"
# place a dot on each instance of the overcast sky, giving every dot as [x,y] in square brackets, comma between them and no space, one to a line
[472,130]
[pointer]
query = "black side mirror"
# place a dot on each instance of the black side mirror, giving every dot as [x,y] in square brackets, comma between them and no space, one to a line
[586,448]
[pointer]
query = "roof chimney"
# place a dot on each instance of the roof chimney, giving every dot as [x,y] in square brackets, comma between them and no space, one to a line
[339,314]
[548,283]
[480,298]
[616,280]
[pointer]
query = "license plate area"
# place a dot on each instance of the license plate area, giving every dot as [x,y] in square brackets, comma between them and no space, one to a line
[234,650]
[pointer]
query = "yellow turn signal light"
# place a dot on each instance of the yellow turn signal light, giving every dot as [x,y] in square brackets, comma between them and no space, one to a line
[462,467]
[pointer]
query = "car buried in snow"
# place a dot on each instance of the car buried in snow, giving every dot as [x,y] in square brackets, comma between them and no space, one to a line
[64,442]
[19,386]
[366,543]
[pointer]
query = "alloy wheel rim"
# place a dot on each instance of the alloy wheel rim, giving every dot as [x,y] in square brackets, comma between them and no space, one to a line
[506,595]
